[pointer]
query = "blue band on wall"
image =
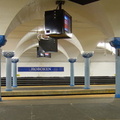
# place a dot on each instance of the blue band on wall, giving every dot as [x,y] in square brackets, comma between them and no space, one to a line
[40,69]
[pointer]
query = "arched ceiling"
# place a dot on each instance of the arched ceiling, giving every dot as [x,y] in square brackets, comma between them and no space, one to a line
[9,11]
[91,24]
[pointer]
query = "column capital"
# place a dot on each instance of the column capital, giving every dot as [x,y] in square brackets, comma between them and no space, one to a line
[15,60]
[8,54]
[2,40]
[87,54]
[115,42]
[72,60]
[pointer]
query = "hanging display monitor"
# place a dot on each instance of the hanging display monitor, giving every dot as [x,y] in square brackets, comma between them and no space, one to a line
[58,24]
[49,45]
[42,54]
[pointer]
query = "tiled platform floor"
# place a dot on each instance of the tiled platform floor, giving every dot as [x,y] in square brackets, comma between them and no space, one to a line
[60,107]
[73,107]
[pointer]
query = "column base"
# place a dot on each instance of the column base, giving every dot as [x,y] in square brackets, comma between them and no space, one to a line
[86,87]
[8,89]
[117,95]
[15,86]
[72,85]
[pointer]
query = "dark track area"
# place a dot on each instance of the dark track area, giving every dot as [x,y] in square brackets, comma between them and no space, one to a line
[41,81]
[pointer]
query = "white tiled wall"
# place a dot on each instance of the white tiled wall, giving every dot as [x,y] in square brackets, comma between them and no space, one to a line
[96,69]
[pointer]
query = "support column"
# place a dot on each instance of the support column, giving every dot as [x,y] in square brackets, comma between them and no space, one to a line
[2,43]
[116,44]
[87,69]
[8,56]
[0,74]
[72,81]
[14,71]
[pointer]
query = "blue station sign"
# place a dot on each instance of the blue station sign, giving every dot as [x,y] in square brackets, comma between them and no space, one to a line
[40,69]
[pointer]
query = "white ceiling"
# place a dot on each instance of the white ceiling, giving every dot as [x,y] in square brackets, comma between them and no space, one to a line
[92,23]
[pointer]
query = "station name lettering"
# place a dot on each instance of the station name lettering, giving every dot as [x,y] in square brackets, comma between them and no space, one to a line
[40,69]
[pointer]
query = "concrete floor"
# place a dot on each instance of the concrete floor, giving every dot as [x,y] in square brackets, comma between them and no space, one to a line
[74,107]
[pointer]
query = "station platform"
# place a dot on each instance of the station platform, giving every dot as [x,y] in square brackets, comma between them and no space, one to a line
[60,103]
[57,90]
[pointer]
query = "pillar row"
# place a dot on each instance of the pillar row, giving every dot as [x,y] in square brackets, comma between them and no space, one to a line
[8,56]
[87,56]
[116,44]
[14,71]
[72,81]
[2,43]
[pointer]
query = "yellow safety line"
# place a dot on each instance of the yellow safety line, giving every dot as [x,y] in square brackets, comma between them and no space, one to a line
[58,97]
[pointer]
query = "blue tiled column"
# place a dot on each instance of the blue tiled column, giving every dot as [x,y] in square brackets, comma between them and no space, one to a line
[87,69]
[116,44]
[8,56]
[72,81]
[2,43]
[14,71]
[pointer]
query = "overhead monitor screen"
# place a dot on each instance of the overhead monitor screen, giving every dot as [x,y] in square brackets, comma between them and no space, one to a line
[42,54]
[67,24]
